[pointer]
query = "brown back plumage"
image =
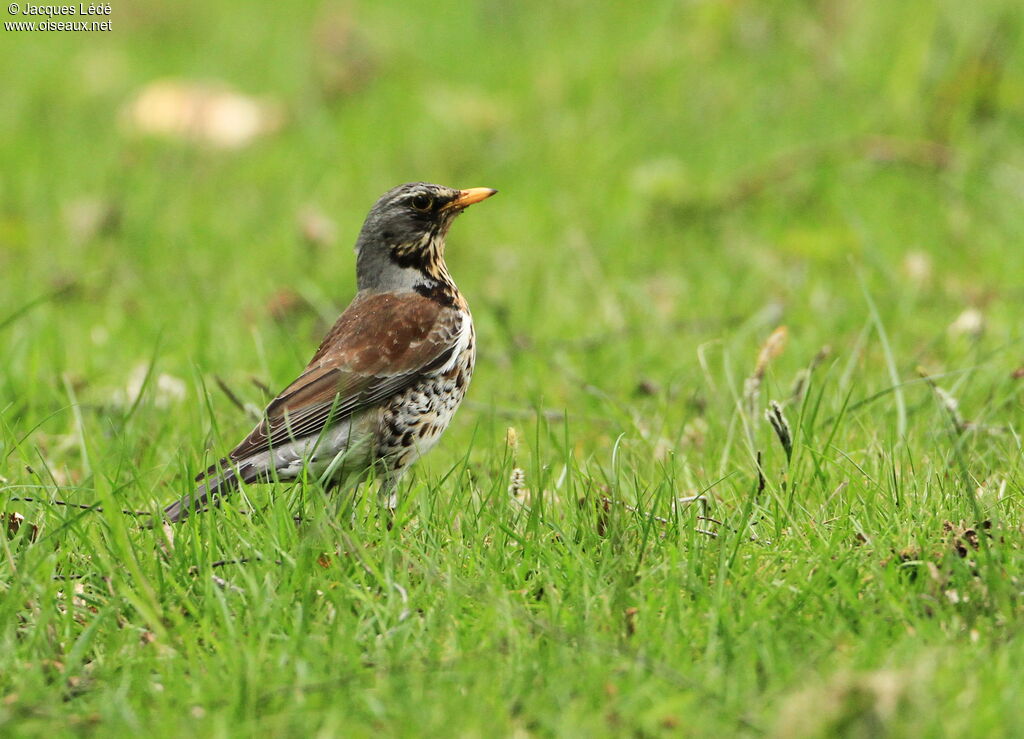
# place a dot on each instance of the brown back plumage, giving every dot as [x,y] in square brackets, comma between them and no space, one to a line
[380,344]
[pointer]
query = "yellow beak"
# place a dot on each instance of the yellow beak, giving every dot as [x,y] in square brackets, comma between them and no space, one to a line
[470,196]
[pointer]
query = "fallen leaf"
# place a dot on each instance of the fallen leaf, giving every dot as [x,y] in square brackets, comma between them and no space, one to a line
[970,323]
[208,113]
[647,387]
[16,522]
[917,266]
[165,389]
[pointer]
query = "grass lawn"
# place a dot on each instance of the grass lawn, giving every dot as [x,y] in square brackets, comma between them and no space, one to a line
[704,208]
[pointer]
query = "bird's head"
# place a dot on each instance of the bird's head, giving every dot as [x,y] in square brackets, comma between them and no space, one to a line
[403,235]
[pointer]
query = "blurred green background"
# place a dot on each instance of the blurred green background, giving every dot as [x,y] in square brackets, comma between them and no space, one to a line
[676,180]
[675,167]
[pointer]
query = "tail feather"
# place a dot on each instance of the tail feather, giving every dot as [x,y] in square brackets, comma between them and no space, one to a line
[218,480]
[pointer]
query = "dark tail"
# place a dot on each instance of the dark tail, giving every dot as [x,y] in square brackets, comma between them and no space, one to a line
[218,480]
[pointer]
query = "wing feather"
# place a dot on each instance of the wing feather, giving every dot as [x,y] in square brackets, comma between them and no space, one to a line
[380,346]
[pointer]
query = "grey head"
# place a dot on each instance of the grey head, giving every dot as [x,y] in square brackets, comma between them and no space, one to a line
[401,244]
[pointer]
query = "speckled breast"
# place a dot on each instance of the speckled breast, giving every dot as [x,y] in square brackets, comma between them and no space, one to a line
[412,423]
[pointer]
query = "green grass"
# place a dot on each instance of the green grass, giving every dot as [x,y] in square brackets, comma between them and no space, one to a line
[677,181]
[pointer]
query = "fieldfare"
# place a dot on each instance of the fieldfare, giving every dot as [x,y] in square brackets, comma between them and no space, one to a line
[389,375]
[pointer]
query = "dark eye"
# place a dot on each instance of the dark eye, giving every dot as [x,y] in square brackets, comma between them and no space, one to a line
[422,202]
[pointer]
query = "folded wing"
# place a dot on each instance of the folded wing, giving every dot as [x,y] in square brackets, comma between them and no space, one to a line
[380,346]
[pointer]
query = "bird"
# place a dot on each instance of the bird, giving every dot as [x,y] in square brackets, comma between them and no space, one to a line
[388,377]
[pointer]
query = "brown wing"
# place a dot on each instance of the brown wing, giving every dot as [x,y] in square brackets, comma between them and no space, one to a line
[379,346]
